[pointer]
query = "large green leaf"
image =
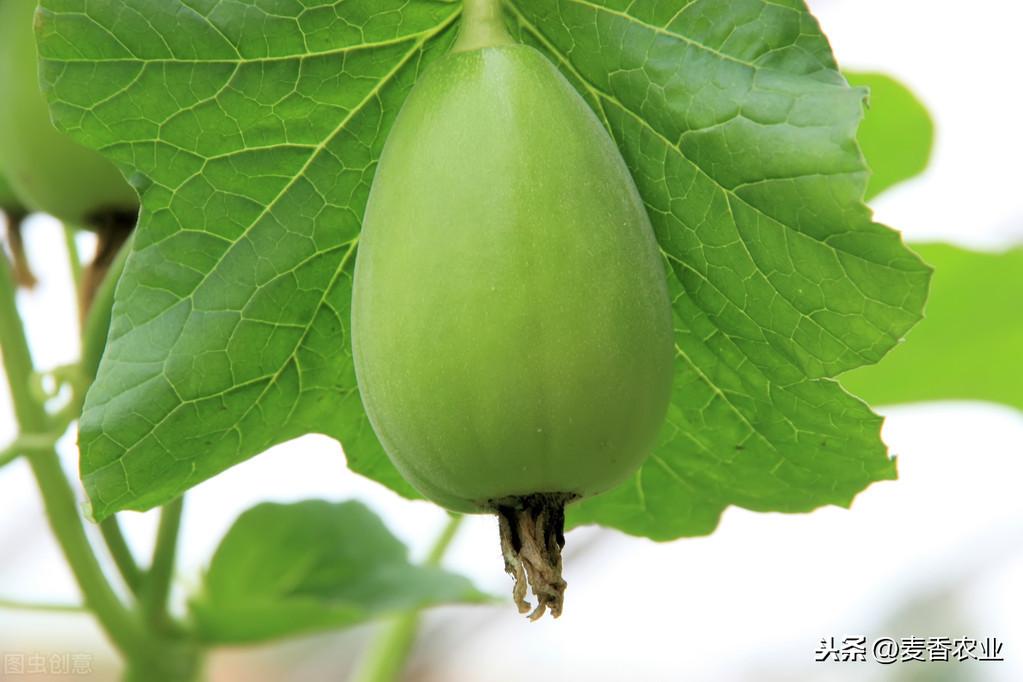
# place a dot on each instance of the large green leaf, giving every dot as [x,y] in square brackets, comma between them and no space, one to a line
[229,330]
[735,435]
[286,569]
[740,133]
[969,347]
[897,133]
[252,132]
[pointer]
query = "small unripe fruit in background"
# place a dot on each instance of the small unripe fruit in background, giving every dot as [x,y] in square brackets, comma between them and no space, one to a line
[47,170]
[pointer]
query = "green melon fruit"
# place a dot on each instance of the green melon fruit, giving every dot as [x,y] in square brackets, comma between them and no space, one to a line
[47,170]
[511,323]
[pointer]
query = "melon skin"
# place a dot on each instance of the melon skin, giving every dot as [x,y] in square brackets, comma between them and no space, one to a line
[46,169]
[511,324]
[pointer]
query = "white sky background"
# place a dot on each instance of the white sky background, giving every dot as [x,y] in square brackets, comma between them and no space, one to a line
[748,603]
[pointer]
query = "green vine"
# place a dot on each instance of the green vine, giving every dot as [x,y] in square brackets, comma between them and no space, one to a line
[139,631]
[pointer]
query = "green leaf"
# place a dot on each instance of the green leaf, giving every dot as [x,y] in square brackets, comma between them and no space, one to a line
[287,569]
[969,345]
[740,133]
[897,133]
[735,436]
[252,131]
[254,157]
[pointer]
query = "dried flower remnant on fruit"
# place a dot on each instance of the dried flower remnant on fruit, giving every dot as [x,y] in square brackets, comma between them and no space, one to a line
[532,537]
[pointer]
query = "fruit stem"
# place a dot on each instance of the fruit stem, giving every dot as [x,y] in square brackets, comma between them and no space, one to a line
[482,26]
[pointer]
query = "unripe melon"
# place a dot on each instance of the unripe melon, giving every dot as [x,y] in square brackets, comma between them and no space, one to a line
[47,170]
[511,323]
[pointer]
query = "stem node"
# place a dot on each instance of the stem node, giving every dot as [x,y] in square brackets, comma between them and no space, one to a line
[482,26]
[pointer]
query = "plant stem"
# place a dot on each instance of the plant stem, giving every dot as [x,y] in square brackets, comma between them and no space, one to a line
[389,652]
[74,261]
[17,605]
[482,26]
[94,338]
[26,443]
[97,320]
[22,270]
[443,541]
[152,656]
[110,527]
[58,496]
[386,658]
[9,455]
[156,588]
